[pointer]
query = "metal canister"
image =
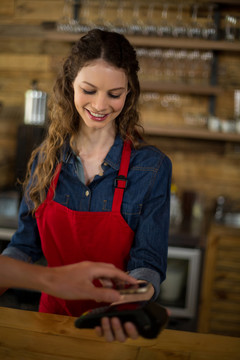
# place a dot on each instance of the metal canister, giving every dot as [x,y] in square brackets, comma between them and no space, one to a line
[35,106]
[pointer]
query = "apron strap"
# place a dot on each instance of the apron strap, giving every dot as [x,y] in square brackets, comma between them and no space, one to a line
[54,182]
[120,183]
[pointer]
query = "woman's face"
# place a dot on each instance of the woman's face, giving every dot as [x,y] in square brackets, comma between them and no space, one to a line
[100,91]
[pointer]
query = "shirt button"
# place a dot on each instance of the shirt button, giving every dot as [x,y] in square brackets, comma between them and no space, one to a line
[87,193]
[105,164]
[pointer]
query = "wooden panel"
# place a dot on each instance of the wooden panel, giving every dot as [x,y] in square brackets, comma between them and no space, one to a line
[223,327]
[70,347]
[225,104]
[154,354]
[209,174]
[6,8]
[9,120]
[30,335]
[36,11]
[34,46]
[207,279]
[228,317]
[222,305]
[28,355]
[229,242]
[220,296]
[19,81]
[202,166]
[229,253]
[228,73]
[228,276]
[12,89]
[24,62]
[224,263]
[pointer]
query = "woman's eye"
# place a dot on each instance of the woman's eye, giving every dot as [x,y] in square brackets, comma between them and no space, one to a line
[88,92]
[114,96]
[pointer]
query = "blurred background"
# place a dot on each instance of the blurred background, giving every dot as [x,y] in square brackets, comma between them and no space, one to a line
[189,54]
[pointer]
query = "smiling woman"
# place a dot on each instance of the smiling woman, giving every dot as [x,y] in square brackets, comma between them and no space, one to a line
[100,91]
[95,191]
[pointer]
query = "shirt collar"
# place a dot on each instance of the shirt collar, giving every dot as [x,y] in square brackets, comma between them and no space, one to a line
[113,157]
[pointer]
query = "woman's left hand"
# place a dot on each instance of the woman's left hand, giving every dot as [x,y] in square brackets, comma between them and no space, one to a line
[112,329]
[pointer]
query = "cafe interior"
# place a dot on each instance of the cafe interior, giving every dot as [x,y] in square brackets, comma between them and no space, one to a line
[189,57]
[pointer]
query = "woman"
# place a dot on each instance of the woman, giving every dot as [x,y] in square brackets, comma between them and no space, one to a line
[107,196]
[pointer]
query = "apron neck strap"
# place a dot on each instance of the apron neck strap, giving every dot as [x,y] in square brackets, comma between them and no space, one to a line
[120,183]
[54,182]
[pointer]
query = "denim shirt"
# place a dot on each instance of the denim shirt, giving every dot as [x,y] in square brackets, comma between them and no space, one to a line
[145,208]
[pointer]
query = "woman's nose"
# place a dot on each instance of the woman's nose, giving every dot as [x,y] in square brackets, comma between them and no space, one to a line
[100,103]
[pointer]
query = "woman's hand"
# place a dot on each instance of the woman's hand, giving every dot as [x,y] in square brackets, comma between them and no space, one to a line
[76,281]
[112,329]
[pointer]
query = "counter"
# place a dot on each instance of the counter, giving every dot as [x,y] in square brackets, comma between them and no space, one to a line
[30,335]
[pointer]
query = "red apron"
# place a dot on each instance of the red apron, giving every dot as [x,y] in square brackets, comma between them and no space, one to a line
[69,236]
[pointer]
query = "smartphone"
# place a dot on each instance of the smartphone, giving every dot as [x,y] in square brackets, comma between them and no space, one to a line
[140,288]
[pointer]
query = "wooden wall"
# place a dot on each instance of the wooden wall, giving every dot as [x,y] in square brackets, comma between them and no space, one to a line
[210,167]
[21,61]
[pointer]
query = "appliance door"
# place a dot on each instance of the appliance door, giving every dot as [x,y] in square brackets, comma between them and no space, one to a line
[179,292]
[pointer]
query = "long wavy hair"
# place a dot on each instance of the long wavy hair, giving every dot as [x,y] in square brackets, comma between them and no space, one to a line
[64,122]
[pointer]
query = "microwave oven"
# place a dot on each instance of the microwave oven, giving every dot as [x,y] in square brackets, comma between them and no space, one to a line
[179,291]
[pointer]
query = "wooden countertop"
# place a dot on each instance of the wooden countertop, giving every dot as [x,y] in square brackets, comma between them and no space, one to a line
[30,335]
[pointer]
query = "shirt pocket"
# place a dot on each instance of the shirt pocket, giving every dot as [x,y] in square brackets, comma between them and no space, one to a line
[127,208]
[131,213]
[62,199]
[131,208]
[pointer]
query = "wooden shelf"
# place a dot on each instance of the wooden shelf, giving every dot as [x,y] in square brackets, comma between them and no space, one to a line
[172,43]
[38,31]
[180,88]
[190,133]
[224,2]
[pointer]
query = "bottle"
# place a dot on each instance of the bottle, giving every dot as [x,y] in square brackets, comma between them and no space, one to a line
[35,105]
[237,109]
[175,207]
[219,212]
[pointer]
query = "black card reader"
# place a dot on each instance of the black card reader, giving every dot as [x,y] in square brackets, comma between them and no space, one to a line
[150,318]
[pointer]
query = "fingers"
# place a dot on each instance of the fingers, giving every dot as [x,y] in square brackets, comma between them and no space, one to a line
[112,329]
[107,330]
[131,330]
[105,295]
[108,271]
[107,283]
[98,331]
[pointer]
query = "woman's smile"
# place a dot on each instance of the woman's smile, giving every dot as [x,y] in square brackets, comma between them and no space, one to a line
[95,116]
[100,91]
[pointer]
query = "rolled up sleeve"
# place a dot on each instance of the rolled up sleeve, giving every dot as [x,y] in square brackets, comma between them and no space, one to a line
[25,243]
[148,256]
